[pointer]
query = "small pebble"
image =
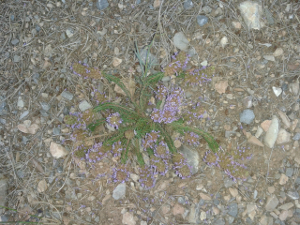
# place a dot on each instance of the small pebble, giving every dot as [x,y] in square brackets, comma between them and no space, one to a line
[202,20]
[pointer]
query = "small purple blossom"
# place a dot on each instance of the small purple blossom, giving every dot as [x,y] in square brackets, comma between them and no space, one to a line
[114,120]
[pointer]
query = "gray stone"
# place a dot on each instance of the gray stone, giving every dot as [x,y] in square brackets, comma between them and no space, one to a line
[230,219]
[293,195]
[119,192]
[202,20]
[4,218]
[63,36]
[17,58]
[192,157]
[188,4]
[20,103]
[297,181]
[24,140]
[219,221]
[24,114]
[289,172]
[44,113]
[102,4]
[67,95]
[15,41]
[180,41]
[70,32]
[56,131]
[233,209]
[296,137]
[272,203]
[166,79]
[84,105]
[207,9]
[228,182]
[2,121]
[45,106]
[247,116]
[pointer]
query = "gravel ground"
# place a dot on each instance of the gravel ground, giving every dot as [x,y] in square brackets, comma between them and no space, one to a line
[250,102]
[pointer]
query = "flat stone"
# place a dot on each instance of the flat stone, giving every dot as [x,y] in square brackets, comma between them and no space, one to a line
[283,179]
[286,121]
[57,151]
[286,206]
[247,116]
[293,195]
[188,4]
[84,105]
[251,13]
[205,197]
[289,172]
[102,4]
[234,192]
[128,218]
[24,114]
[265,125]
[233,209]
[180,41]
[272,203]
[70,32]
[45,106]
[67,95]
[14,41]
[17,58]
[283,137]
[20,103]
[202,20]
[120,191]
[177,209]
[277,91]
[272,133]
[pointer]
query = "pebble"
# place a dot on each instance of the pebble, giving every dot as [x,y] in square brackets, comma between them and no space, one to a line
[224,41]
[180,41]
[289,172]
[283,179]
[251,14]
[272,133]
[207,9]
[15,41]
[84,105]
[56,131]
[233,209]
[17,58]
[272,203]
[70,32]
[269,58]
[67,95]
[128,218]
[283,137]
[42,186]
[293,195]
[192,157]
[247,116]
[57,151]
[20,103]
[284,118]
[286,206]
[24,114]
[188,4]
[119,192]
[277,91]
[202,20]
[45,106]
[102,4]
[278,52]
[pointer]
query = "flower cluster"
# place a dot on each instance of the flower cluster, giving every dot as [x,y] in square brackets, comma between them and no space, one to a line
[150,139]
[99,97]
[179,64]
[191,138]
[114,120]
[171,108]
[231,162]
[120,174]
[147,178]
[181,167]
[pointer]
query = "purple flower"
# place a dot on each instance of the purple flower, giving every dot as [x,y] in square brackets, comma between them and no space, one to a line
[114,120]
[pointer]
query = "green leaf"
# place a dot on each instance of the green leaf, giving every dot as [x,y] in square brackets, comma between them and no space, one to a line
[140,159]
[95,124]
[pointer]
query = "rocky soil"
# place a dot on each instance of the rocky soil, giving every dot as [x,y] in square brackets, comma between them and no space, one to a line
[251,102]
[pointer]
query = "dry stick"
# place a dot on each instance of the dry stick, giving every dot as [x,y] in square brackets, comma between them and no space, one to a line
[269,165]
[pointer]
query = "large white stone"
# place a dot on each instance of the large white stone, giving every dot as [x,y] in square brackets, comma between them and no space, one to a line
[180,41]
[272,132]
[57,151]
[251,12]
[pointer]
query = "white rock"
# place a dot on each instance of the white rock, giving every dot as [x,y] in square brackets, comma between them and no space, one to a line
[20,103]
[237,25]
[283,137]
[269,57]
[116,61]
[57,151]
[251,12]
[33,128]
[259,132]
[272,132]
[294,87]
[84,105]
[180,41]
[283,179]
[277,91]
[278,52]
[128,218]
[224,41]
[286,121]
[42,186]
[70,32]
